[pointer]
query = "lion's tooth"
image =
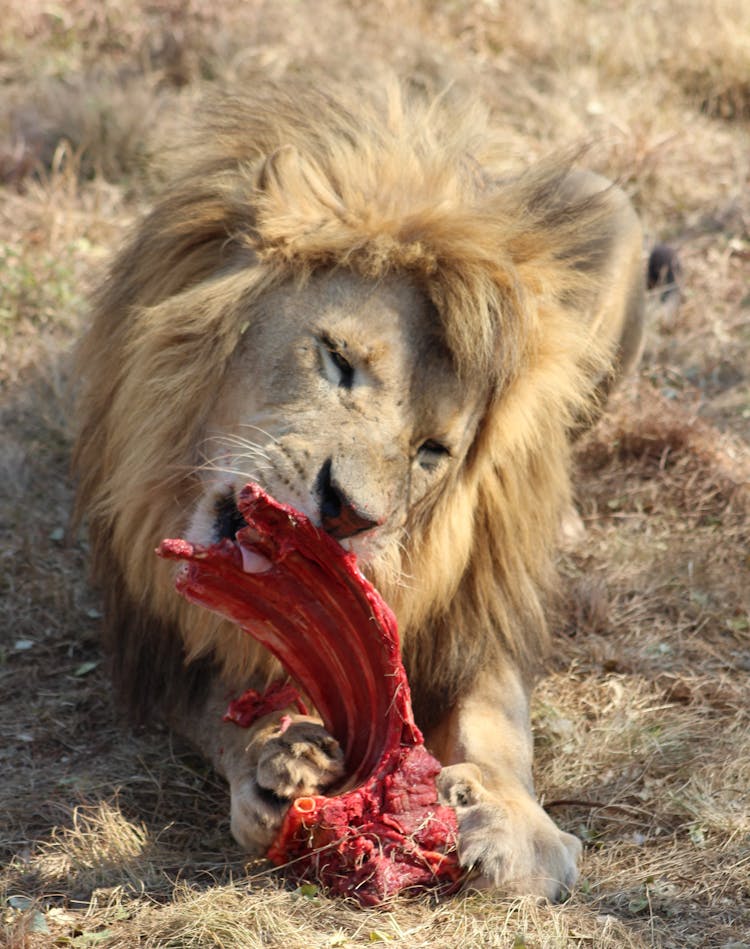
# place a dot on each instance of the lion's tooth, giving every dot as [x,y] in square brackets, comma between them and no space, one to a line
[253,562]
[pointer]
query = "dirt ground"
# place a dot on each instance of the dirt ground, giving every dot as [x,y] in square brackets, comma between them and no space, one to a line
[642,725]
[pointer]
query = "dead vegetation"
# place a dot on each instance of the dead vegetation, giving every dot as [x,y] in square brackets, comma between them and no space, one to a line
[642,726]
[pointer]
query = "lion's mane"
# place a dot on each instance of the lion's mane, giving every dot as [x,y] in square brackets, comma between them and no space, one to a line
[284,182]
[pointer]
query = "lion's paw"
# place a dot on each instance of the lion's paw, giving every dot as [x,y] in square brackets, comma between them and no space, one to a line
[299,759]
[508,841]
[290,759]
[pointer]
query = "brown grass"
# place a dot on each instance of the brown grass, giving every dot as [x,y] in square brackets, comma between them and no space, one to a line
[642,726]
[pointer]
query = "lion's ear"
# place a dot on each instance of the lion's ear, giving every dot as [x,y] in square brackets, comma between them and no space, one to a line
[567,221]
[271,170]
[584,246]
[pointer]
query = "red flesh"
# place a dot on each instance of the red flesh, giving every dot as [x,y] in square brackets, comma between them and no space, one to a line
[338,639]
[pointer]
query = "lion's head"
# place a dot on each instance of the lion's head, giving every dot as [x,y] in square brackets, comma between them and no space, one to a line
[340,298]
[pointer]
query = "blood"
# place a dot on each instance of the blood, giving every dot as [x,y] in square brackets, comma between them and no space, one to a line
[384,831]
[252,705]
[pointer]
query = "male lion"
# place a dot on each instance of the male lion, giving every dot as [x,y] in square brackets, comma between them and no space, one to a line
[339,296]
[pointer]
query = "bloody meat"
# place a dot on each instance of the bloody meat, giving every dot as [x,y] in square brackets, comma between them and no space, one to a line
[300,594]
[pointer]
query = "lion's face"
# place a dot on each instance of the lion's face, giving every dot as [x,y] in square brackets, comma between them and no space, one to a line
[344,404]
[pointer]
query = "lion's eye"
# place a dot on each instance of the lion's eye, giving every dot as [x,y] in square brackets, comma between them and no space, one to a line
[336,366]
[431,453]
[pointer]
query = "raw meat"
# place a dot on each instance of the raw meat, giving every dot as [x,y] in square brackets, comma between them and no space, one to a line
[299,593]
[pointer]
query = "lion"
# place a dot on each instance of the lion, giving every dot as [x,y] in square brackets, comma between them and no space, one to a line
[343,295]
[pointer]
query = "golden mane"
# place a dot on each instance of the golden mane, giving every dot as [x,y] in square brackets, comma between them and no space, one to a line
[284,183]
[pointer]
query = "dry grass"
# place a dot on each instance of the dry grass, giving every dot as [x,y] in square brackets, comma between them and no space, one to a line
[642,726]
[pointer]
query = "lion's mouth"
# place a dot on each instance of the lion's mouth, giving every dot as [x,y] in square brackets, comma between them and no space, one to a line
[227,522]
[228,519]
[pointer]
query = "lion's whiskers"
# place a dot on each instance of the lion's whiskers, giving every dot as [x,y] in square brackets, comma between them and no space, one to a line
[245,474]
[230,461]
[233,440]
[261,430]
[221,465]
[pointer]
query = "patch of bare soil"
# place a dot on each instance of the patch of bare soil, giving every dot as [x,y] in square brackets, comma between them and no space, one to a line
[643,739]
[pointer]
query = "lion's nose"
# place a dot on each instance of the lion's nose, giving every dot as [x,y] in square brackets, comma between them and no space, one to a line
[339,516]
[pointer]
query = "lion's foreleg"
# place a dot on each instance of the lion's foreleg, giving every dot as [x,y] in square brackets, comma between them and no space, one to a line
[504,835]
